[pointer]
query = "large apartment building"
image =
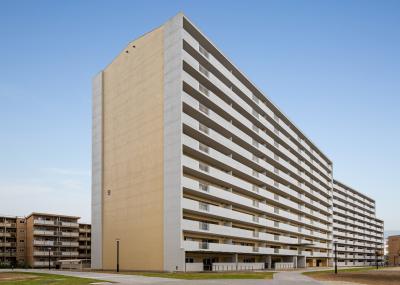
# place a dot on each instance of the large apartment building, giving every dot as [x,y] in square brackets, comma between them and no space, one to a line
[356,230]
[33,240]
[194,168]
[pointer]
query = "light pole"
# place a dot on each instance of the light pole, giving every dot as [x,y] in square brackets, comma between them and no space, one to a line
[49,249]
[335,243]
[117,240]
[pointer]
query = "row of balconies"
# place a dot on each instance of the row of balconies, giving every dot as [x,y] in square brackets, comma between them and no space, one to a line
[213,173]
[228,214]
[190,101]
[261,120]
[365,208]
[8,225]
[7,244]
[55,253]
[190,245]
[213,154]
[348,228]
[353,222]
[351,209]
[358,243]
[55,233]
[229,110]
[214,62]
[7,234]
[217,138]
[352,195]
[372,221]
[227,231]
[54,243]
[55,223]
[225,196]
[356,236]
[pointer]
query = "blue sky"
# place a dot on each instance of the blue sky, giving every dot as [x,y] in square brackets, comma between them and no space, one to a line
[332,66]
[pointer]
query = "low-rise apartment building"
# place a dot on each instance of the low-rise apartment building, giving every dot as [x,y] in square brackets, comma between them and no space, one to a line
[39,238]
[356,229]
[51,235]
[12,241]
[393,248]
[84,241]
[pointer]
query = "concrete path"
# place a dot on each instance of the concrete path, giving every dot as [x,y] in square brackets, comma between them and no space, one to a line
[281,278]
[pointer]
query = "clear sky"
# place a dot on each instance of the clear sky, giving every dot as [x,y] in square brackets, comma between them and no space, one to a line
[332,66]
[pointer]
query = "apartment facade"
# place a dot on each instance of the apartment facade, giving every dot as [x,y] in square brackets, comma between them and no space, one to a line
[51,235]
[393,253]
[357,231]
[84,241]
[194,168]
[12,241]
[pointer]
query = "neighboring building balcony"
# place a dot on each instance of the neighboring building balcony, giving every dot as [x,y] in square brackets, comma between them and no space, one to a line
[8,254]
[42,263]
[69,224]
[44,233]
[7,234]
[43,242]
[68,243]
[7,225]
[44,222]
[69,234]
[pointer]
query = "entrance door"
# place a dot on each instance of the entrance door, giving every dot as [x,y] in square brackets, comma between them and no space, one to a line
[207,264]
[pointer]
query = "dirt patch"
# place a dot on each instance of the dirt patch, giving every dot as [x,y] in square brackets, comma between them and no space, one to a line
[10,276]
[381,277]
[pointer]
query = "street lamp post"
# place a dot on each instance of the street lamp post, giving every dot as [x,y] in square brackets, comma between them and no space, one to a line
[117,255]
[335,243]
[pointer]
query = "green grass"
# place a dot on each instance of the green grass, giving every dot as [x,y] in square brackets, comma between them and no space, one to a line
[355,269]
[199,276]
[48,279]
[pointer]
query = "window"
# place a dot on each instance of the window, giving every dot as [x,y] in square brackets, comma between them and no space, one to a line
[204,90]
[203,167]
[255,128]
[189,260]
[255,98]
[204,109]
[203,187]
[203,70]
[255,203]
[203,128]
[255,143]
[203,147]
[204,52]
[203,206]
[255,113]
[204,226]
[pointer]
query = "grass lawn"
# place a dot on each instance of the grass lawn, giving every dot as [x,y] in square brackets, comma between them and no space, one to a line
[22,278]
[364,275]
[206,275]
[354,269]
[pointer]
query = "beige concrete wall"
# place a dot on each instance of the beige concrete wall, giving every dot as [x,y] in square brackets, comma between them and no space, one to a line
[21,241]
[133,156]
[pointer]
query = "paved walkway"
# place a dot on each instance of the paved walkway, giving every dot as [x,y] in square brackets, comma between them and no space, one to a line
[281,278]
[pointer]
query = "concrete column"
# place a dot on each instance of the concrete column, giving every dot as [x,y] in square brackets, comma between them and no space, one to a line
[236,258]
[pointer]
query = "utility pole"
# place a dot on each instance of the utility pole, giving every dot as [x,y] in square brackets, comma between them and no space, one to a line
[335,243]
